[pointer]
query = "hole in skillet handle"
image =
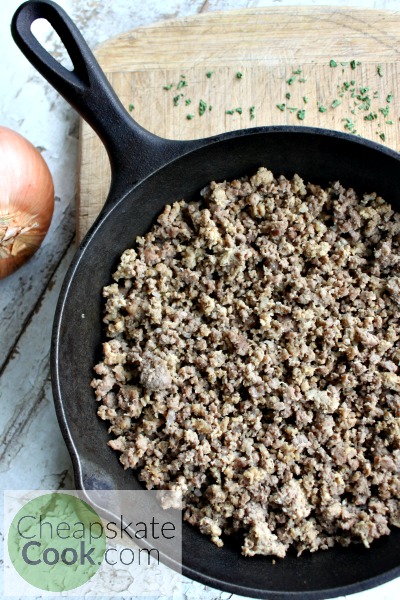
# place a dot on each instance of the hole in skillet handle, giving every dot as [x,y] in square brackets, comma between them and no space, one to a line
[133,151]
[48,38]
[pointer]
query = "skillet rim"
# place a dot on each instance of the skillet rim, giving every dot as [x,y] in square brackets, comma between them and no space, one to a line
[78,459]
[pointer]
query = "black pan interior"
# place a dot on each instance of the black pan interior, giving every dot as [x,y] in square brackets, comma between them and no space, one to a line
[318,157]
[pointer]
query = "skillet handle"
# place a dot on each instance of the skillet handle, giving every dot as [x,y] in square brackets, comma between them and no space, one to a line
[133,152]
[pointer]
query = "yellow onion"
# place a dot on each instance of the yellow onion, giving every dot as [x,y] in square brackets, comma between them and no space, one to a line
[26,200]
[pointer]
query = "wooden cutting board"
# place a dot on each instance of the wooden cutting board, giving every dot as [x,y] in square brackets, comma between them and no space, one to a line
[235,67]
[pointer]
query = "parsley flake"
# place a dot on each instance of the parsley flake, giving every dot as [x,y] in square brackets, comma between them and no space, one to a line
[349,125]
[336,103]
[332,63]
[131,107]
[281,106]
[301,114]
[202,107]
[176,99]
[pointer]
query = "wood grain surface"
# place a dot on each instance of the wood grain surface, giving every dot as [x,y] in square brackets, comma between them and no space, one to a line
[276,52]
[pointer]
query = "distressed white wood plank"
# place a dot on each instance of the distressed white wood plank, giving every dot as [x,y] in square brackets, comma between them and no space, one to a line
[32,452]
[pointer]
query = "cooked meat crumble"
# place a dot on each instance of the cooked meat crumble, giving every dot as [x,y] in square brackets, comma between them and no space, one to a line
[252,362]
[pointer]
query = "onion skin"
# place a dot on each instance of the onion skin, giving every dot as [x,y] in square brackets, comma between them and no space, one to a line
[26,200]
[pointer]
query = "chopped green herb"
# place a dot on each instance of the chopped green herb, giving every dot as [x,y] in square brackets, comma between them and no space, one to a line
[239,110]
[292,109]
[252,112]
[189,117]
[305,99]
[382,136]
[202,107]
[230,112]
[321,108]
[210,107]
[291,80]
[354,64]
[239,75]
[349,125]
[168,87]
[371,117]
[297,72]
[389,98]
[176,99]
[389,122]
[188,101]
[385,111]
[302,80]
[336,103]
[131,107]
[375,94]
[332,63]
[209,74]
[287,95]
[181,84]
[364,99]
[301,114]
[281,106]
[352,82]
[379,70]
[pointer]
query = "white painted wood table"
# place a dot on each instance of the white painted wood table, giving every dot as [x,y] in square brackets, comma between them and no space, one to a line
[33,453]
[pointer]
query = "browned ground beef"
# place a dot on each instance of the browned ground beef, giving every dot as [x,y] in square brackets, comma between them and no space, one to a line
[252,362]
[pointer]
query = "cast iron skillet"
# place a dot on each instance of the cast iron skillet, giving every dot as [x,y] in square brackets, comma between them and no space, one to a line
[147,173]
